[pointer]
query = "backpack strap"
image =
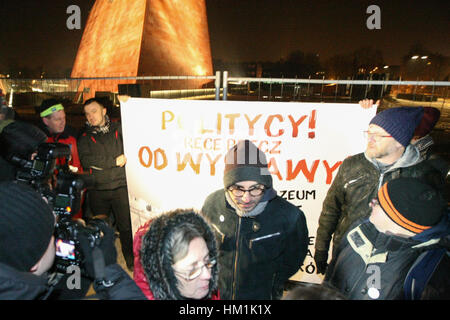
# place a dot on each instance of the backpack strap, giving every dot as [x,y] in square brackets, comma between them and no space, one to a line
[421,272]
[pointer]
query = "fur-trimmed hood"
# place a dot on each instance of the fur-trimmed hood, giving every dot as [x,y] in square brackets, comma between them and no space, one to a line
[156,257]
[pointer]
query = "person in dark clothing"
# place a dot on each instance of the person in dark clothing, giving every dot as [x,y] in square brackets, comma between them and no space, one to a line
[18,141]
[101,153]
[27,251]
[377,256]
[422,138]
[389,155]
[262,237]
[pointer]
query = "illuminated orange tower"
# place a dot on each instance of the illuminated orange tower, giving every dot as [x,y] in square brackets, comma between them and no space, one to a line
[126,38]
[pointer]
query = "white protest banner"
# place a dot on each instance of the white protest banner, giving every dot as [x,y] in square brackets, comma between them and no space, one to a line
[175,152]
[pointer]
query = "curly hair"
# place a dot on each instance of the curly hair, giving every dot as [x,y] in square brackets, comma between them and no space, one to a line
[167,242]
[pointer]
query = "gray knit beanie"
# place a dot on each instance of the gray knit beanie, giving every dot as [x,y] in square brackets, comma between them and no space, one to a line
[245,162]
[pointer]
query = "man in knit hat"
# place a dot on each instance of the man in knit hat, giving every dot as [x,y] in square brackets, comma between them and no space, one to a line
[377,258]
[27,250]
[263,238]
[389,155]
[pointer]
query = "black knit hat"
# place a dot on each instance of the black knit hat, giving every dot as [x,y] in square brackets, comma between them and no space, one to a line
[156,256]
[411,203]
[26,226]
[245,162]
[20,139]
[399,122]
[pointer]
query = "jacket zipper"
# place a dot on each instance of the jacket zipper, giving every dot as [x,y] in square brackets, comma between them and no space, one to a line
[380,181]
[233,293]
[362,274]
[352,181]
[263,237]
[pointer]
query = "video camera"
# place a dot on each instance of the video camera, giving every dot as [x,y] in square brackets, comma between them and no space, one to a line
[62,189]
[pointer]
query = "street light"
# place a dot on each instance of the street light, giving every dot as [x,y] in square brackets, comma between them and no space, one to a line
[424,57]
[414,57]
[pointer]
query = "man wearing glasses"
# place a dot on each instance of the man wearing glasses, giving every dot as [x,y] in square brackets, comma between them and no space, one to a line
[263,238]
[389,155]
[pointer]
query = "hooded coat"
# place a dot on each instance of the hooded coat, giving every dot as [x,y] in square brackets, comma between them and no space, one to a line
[153,271]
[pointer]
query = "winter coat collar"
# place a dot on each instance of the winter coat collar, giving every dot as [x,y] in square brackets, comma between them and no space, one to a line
[434,234]
[100,129]
[410,157]
[424,143]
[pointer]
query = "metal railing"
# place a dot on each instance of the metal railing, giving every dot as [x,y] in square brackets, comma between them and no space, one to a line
[333,89]
[222,86]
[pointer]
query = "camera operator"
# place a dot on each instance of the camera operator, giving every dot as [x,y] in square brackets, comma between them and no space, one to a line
[21,140]
[27,250]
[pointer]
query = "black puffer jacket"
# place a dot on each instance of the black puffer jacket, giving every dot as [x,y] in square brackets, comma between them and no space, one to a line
[356,184]
[257,254]
[98,153]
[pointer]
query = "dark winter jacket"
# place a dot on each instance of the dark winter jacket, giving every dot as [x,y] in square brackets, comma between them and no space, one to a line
[162,284]
[257,254]
[426,147]
[7,170]
[98,153]
[356,184]
[15,285]
[367,257]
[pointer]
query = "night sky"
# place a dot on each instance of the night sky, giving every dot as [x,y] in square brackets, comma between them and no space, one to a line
[33,33]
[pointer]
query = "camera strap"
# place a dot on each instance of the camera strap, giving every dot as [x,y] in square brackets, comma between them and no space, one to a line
[99,263]
[100,283]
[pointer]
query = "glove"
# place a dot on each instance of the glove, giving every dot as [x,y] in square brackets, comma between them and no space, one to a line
[321,257]
[105,250]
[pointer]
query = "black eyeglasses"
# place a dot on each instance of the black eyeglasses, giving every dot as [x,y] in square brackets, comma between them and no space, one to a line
[196,272]
[255,191]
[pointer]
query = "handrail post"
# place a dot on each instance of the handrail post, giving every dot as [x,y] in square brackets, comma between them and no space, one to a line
[225,85]
[217,85]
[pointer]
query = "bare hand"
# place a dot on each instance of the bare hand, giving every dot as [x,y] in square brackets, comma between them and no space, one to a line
[368,103]
[121,160]
[123,98]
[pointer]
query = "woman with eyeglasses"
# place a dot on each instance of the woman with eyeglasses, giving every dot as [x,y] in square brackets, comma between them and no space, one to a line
[176,257]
